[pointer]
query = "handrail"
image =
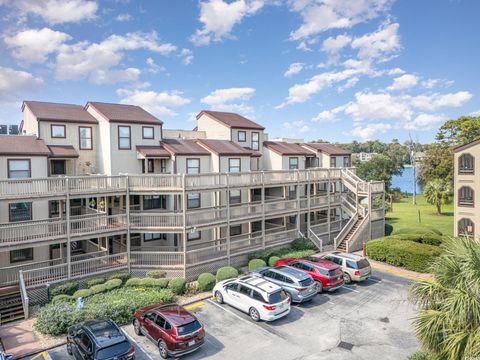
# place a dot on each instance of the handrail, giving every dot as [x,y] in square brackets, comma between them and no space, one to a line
[320,241]
[345,230]
[364,221]
[24,295]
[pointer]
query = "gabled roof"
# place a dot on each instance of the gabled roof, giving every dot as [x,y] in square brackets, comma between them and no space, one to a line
[226,148]
[153,151]
[325,148]
[284,148]
[47,111]
[183,147]
[121,113]
[231,120]
[466,146]
[62,151]
[22,145]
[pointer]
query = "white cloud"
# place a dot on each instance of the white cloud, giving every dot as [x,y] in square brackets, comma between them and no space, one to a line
[304,47]
[123,17]
[222,96]
[153,67]
[14,84]
[57,11]
[366,132]
[187,56]
[378,106]
[430,83]
[378,44]
[218,18]
[294,69]
[335,44]
[433,102]
[297,127]
[349,84]
[319,16]
[158,103]
[424,122]
[403,82]
[34,45]
[395,71]
[327,116]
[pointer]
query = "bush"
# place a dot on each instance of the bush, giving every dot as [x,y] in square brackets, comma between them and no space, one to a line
[226,272]
[411,255]
[388,229]
[95,281]
[113,284]
[420,355]
[299,254]
[255,264]
[124,276]
[147,283]
[267,253]
[62,298]
[98,289]
[272,260]
[55,319]
[416,230]
[83,293]
[429,238]
[302,244]
[206,282]
[177,285]
[157,274]
[65,288]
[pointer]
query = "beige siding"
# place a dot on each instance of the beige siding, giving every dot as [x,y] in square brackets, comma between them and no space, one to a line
[29,122]
[224,163]
[213,128]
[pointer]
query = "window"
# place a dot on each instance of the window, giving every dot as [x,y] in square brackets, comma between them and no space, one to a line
[124,138]
[84,341]
[163,166]
[154,202]
[232,287]
[58,167]
[466,196]
[21,255]
[193,166]
[255,141]
[257,296]
[333,161]
[242,289]
[235,230]
[57,131]
[293,163]
[194,235]
[85,138]
[19,169]
[466,227]
[242,136]
[235,197]
[234,165]
[466,164]
[164,324]
[150,165]
[193,201]
[152,237]
[148,132]
[346,161]
[20,211]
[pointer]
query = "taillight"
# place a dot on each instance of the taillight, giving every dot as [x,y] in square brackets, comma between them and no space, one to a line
[270,307]
[299,289]
[131,351]
[357,273]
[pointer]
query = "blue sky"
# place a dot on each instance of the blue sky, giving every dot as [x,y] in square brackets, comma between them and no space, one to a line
[331,69]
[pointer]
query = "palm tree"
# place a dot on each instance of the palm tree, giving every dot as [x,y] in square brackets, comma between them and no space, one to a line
[448,320]
[438,192]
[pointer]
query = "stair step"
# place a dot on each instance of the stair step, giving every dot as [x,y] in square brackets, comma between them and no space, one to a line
[12,318]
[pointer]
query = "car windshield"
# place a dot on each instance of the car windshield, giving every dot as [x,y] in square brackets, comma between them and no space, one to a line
[189,328]
[306,282]
[277,297]
[114,350]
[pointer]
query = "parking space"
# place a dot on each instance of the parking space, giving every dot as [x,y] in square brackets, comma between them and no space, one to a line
[371,320]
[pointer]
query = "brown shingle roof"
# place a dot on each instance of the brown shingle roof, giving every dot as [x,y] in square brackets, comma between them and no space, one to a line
[122,113]
[46,111]
[226,148]
[22,145]
[153,151]
[231,120]
[62,151]
[183,147]
[328,149]
[466,146]
[284,148]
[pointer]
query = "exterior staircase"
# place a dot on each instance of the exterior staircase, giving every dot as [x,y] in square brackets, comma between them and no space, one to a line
[11,307]
[343,244]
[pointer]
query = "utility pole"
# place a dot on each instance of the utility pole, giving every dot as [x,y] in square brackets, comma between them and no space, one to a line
[414,173]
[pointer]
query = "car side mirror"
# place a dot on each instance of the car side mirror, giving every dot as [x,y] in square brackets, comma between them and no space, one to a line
[8,356]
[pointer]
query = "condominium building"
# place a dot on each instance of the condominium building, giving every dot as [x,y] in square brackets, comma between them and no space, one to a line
[104,187]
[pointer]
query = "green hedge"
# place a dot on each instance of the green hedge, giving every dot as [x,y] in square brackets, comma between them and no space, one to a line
[83,293]
[55,319]
[388,229]
[299,254]
[98,289]
[226,272]
[64,288]
[206,282]
[95,281]
[123,275]
[177,285]
[156,274]
[416,230]
[302,244]
[147,283]
[411,255]
[62,298]
[113,284]
[256,263]
[272,260]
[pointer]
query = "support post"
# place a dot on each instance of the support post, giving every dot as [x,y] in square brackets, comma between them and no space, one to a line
[298,200]
[263,210]
[227,202]
[184,220]
[127,211]
[309,205]
[370,209]
[329,194]
[67,216]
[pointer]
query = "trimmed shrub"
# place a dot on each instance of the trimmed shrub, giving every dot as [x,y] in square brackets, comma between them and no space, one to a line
[416,230]
[147,283]
[298,254]
[83,293]
[272,260]
[95,281]
[62,298]
[98,289]
[177,285]
[411,255]
[156,274]
[206,282]
[302,244]
[191,287]
[124,276]
[388,229]
[255,264]
[267,253]
[113,284]
[226,272]
[65,288]
[420,355]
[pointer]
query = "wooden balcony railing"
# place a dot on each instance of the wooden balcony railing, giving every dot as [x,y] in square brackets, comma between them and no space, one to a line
[156,259]
[156,221]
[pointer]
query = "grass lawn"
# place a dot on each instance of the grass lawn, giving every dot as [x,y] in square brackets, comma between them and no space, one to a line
[405,214]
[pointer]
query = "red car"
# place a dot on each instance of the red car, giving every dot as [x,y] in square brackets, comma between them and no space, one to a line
[175,330]
[327,274]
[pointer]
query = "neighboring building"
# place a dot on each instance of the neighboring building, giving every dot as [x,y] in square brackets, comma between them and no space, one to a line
[3,130]
[13,129]
[364,156]
[100,188]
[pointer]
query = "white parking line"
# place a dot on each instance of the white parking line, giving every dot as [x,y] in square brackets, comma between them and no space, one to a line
[138,345]
[349,288]
[374,280]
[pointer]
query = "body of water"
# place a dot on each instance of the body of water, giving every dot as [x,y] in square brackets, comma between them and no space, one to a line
[404,181]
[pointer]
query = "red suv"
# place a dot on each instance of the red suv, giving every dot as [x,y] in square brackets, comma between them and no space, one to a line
[327,274]
[175,330]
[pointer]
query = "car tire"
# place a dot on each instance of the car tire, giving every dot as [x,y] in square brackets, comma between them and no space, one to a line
[136,327]
[69,349]
[254,314]
[162,349]
[347,278]
[219,297]
[319,287]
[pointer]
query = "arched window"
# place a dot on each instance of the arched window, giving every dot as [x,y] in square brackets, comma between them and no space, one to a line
[466,227]
[466,196]
[466,164]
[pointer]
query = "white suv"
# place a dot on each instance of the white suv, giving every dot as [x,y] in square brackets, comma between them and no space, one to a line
[260,298]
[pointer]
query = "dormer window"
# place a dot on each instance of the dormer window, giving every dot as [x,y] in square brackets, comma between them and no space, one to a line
[466,164]
[57,131]
[148,132]
[242,136]
[255,141]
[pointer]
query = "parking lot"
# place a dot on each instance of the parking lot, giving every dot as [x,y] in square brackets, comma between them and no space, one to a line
[370,320]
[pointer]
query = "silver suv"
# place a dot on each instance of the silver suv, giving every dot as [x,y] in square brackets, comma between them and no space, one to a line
[354,267]
[298,285]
